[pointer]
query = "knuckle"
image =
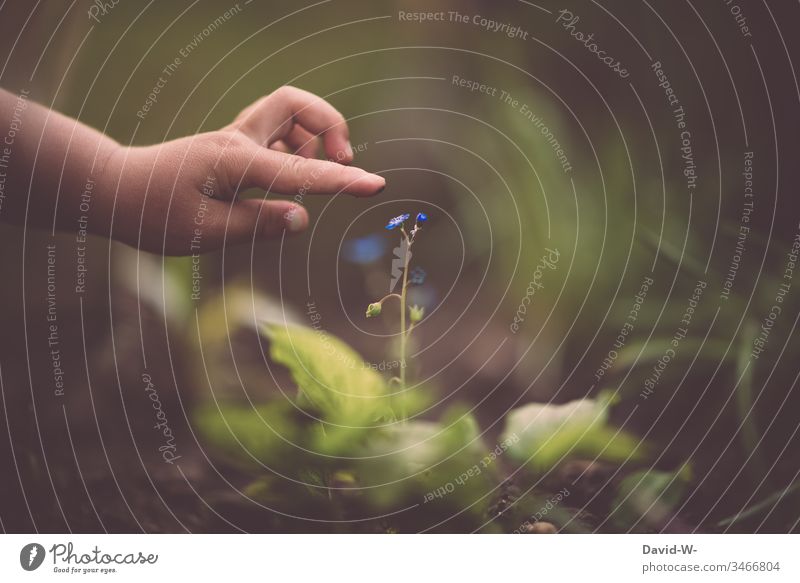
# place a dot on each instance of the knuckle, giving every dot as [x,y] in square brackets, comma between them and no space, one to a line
[232,161]
[338,119]
[340,176]
[296,165]
[283,92]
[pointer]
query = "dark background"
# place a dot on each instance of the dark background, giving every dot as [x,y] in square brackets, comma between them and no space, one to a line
[497,197]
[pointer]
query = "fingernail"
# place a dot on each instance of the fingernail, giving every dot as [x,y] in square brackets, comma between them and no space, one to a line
[294,221]
[345,155]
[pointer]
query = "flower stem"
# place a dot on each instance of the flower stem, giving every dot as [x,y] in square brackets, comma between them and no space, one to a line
[403,336]
[384,298]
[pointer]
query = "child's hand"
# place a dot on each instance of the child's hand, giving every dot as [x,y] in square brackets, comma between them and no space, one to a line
[182,192]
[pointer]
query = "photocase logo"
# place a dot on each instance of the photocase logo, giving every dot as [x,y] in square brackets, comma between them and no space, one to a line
[31,556]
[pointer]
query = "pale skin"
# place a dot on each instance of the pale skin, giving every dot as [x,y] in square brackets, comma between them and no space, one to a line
[149,197]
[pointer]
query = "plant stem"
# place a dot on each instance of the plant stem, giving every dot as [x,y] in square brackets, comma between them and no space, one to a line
[383,299]
[403,337]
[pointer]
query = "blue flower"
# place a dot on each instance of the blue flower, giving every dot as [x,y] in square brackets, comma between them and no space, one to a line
[417,276]
[422,217]
[397,221]
[364,250]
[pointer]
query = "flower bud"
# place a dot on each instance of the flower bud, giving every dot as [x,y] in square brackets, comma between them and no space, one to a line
[373,310]
[416,313]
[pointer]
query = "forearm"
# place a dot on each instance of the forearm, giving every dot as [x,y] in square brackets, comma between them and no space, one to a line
[51,164]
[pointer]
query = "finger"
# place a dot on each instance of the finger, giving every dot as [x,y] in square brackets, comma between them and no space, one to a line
[273,117]
[280,146]
[245,221]
[302,142]
[288,174]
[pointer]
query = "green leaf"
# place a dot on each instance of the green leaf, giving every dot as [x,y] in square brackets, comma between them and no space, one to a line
[547,435]
[253,437]
[407,462]
[419,445]
[330,376]
[648,498]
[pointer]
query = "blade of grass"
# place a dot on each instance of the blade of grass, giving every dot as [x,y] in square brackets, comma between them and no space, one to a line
[712,350]
[768,503]
[679,257]
[745,403]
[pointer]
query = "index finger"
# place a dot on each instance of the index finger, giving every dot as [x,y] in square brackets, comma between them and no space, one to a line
[289,174]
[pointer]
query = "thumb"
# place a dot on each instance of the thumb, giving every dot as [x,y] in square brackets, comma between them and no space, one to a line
[247,221]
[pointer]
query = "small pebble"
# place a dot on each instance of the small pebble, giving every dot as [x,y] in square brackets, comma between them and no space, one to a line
[540,528]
